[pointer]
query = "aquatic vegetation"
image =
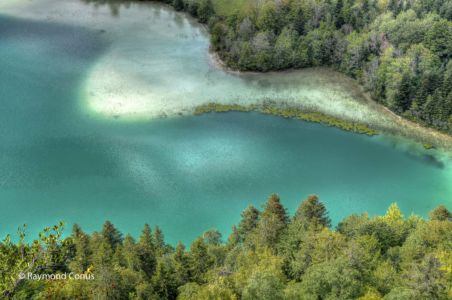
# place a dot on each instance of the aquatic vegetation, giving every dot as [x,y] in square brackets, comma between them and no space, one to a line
[175,82]
[277,109]
[428,146]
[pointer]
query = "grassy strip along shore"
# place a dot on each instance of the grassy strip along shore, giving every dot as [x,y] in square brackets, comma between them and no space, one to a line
[288,112]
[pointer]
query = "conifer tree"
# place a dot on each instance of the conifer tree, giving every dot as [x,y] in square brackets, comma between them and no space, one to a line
[111,235]
[312,212]
[200,260]
[80,262]
[272,223]
[250,219]
[146,251]
[441,213]
[338,13]
[159,241]
[182,264]
[205,10]
[178,5]
[129,254]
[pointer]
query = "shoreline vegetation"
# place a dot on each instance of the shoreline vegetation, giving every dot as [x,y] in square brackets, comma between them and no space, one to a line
[288,112]
[269,255]
[408,72]
[411,77]
[224,21]
[430,138]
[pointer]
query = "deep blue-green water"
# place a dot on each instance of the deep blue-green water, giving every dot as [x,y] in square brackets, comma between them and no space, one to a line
[185,174]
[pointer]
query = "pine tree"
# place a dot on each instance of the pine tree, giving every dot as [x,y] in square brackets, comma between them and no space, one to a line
[111,235]
[80,262]
[272,223]
[178,5]
[250,219]
[146,251]
[200,260]
[312,213]
[338,13]
[129,254]
[402,100]
[205,10]
[165,279]
[182,264]
[299,21]
[159,240]
[146,237]
[441,213]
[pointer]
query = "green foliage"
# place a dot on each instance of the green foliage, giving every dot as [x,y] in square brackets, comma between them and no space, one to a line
[205,10]
[441,213]
[272,223]
[272,257]
[265,286]
[250,219]
[399,50]
[44,254]
[146,251]
[111,235]
[312,212]
[178,5]
[288,111]
[200,260]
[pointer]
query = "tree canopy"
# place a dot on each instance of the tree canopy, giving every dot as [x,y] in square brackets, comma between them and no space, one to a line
[398,50]
[269,255]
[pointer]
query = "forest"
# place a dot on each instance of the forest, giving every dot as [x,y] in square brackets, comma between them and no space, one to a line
[398,50]
[268,255]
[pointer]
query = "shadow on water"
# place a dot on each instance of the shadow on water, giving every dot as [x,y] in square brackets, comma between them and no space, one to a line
[415,152]
[44,65]
[425,158]
[70,40]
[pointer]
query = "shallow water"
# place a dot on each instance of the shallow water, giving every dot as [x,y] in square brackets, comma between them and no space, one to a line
[158,64]
[69,151]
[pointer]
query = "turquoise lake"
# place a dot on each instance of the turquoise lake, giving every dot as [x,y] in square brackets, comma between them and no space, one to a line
[70,151]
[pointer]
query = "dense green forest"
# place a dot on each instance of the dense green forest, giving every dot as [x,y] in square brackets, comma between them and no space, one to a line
[268,255]
[399,50]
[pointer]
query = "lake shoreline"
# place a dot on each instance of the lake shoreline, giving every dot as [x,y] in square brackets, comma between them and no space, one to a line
[289,112]
[390,123]
[430,138]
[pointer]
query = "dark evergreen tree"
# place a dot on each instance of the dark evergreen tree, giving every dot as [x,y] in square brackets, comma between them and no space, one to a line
[272,223]
[205,10]
[200,260]
[182,264]
[80,262]
[250,219]
[312,212]
[146,251]
[178,5]
[111,235]
[164,281]
[159,240]
[338,13]
[299,21]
